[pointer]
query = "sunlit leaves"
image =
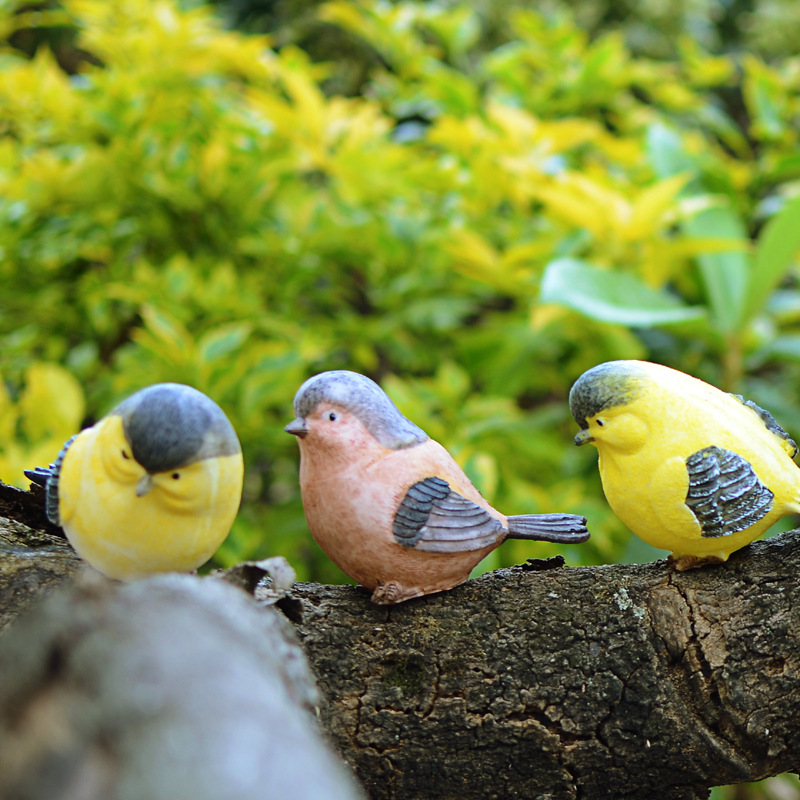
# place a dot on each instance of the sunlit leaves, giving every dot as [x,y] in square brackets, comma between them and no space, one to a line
[33,427]
[475,228]
[769,101]
[389,28]
[190,43]
[36,99]
[52,402]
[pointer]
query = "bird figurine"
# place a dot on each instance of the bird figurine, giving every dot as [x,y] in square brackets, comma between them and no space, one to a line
[153,487]
[388,504]
[687,467]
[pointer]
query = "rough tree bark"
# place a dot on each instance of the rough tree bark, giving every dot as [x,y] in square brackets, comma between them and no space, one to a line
[34,555]
[609,682]
[536,682]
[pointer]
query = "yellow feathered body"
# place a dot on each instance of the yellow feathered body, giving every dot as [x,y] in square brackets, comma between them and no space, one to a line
[176,526]
[684,464]
[153,487]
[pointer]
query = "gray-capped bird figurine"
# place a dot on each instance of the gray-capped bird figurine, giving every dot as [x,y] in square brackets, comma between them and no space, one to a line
[687,467]
[388,504]
[153,487]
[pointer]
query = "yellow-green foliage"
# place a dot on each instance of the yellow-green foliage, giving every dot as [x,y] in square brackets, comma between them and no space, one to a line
[474,229]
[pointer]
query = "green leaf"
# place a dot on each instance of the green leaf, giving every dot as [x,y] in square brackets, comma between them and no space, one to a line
[777,248]
[784,347]
[725,275]
[666,152]
[610,296]
[223,341]
[165,336]
[765,101]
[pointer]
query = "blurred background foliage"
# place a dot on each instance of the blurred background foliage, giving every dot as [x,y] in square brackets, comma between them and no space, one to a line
[472,203]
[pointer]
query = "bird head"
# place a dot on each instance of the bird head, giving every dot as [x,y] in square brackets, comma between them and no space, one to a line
[603,402]
[169,427]
[341,407]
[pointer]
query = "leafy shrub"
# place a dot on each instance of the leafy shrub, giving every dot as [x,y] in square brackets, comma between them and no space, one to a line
[475,229]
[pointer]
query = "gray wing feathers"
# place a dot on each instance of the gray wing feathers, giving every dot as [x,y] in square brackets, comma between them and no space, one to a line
[456,524]
[724,492]
[413,512]
[48,477]
[435,519]
[770,423]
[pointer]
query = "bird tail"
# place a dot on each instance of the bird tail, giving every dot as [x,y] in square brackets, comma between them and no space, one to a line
[564,528]
[48,477]
[38,475]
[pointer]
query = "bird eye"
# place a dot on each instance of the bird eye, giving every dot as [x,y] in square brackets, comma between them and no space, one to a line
[600,423]
[175,475]
[125,455]
[332,416]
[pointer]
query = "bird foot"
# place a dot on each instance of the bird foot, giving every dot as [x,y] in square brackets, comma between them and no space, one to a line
[682,563]
[387,594]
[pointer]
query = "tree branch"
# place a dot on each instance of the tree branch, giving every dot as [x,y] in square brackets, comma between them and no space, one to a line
[604,682]
[173,687]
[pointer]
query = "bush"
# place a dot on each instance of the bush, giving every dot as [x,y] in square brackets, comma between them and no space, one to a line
[475,229]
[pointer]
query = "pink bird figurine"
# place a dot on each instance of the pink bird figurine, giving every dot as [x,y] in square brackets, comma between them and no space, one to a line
[387,503]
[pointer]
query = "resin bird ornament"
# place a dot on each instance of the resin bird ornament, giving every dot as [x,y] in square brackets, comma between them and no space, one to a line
[152,487]
[687,467]
[388,504]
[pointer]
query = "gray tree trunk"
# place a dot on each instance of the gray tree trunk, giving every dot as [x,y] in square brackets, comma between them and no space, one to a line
[548,682]
[172,688]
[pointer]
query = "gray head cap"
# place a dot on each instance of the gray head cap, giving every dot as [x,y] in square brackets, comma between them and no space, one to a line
[614,383]
[364,398]
[170,425]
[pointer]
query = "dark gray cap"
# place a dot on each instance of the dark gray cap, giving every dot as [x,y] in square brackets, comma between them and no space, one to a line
[614,383]
[366,400]
[169,425]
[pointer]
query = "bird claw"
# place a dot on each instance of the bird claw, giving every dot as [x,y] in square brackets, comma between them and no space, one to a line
[682,563]
[387,594]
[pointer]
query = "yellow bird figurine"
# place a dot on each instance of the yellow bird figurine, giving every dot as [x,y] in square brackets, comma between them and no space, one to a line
[687,467]
[152,487]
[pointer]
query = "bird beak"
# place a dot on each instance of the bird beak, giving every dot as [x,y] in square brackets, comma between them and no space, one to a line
[145,485]
[583,437]
[297,427]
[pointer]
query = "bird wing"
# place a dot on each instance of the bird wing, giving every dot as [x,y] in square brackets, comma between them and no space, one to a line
[435,519]
[771,424]
[724,493]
